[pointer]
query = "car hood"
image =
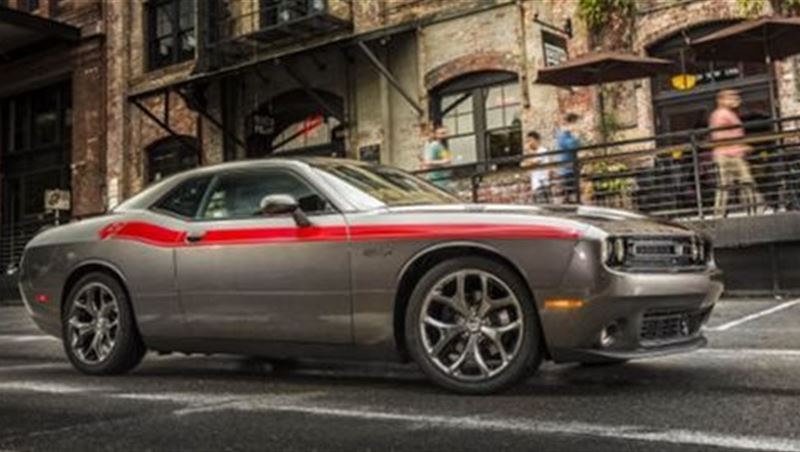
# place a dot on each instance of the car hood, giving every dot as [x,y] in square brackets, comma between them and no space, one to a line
[612,221]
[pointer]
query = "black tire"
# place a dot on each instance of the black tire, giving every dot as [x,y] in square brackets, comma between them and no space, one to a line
[128,349]
[531,349]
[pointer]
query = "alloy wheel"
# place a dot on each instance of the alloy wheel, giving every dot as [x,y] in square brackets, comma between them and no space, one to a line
[471,325]
[93,325]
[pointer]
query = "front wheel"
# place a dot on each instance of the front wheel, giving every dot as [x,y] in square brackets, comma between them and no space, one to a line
[472,326]
[98,327]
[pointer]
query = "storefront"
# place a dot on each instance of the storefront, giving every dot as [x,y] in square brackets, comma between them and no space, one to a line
[684,100]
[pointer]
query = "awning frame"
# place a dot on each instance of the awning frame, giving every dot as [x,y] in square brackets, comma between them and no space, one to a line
[48,29]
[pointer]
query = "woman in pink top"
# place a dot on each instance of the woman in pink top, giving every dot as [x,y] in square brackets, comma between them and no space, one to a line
[730,158]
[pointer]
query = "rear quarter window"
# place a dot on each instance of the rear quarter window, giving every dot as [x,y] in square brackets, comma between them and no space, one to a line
[185,199]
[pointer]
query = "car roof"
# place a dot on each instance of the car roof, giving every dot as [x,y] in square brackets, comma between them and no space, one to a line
[152,193]
[271,161]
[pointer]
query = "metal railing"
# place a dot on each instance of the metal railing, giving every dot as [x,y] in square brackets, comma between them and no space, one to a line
[256,20]
[676,175]
[14,238]
[239,30]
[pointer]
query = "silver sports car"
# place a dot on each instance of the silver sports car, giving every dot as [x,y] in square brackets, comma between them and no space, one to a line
[332,258]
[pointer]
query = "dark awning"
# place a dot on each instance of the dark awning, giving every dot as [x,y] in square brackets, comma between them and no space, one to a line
[21,32]
[602,67]
[753,40]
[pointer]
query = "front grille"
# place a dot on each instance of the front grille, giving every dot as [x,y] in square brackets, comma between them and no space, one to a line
[659,254]
[663,327]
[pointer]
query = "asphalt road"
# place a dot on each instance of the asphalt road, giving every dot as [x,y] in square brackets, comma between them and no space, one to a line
[742,393]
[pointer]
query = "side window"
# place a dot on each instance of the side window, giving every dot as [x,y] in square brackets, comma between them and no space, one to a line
[239,194]
[184,200]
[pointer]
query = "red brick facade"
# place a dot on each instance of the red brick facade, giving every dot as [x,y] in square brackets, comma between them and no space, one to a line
[449,39]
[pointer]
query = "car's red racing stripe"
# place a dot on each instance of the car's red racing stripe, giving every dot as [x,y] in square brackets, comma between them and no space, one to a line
[278,234]
[160,236]
[463,231]
[144,232]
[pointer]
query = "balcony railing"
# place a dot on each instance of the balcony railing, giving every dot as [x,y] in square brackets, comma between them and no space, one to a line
[240,28]
[676,181]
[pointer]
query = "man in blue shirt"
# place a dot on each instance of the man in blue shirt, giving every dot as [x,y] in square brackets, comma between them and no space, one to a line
[568,143]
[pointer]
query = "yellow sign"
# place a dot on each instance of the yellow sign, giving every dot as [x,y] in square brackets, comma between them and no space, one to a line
[684,82]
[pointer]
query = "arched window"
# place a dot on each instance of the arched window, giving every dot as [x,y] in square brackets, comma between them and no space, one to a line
[171,155]
[294,123]
[482,114]
[312,132]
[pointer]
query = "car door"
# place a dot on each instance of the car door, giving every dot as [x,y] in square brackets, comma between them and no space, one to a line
[246,275]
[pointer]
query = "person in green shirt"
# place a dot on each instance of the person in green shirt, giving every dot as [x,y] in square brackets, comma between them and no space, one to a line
[436,155]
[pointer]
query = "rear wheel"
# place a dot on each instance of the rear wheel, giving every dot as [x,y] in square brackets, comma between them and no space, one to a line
[99,331]
[472,327]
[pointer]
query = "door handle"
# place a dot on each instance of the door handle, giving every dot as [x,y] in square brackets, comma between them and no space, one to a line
[195,236]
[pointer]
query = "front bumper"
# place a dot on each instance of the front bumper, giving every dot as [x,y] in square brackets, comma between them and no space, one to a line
[653,314]
[599,356]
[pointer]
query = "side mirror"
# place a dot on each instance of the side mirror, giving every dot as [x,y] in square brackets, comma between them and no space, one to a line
[284,204]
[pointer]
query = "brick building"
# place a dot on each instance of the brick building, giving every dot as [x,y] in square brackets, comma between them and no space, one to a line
[52,111]
[164,85]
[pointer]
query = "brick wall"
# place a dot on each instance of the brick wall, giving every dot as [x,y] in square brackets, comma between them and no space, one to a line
[448,42]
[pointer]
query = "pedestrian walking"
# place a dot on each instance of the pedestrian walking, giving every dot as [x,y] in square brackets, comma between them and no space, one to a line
[540,174]
[436,155]
[568,143]
[732,168]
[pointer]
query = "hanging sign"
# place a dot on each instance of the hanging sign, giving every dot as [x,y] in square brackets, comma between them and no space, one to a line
[555,49]
[684,82]
[263,124]
[56,200]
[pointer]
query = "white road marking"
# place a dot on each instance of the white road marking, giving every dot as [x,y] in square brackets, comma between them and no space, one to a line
[739,352]
[19,338]
[201,403]
[28,367]
[515,425]
[757,315]
[49,388]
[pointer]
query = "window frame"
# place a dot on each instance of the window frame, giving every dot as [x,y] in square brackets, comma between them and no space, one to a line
[165,146]
[154,207]
[28,6]
[176,32]
[332,208]
[476,86]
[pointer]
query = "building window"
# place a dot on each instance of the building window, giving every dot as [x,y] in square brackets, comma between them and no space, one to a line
[28,5]
[171,32]
[312,132]
[293,123]
[277,12]
[38,121]
[35,147]
[482,114]
[171,155]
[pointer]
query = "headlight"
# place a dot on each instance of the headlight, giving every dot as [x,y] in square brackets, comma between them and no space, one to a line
[615,251]
[695,250]
[619,250]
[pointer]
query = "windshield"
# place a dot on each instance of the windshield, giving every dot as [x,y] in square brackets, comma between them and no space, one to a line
[376,186]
